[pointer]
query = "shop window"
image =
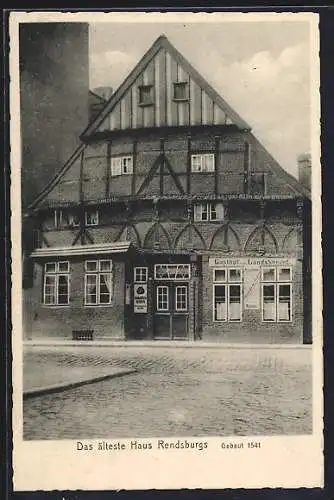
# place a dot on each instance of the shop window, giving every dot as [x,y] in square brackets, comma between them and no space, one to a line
[203,162]
[172,271]
[91,217]
[140,274]
[56,283]
[121,165]
[209,212]
[180,91]
[162,298]
[277,294]
[146,95]
[227,291]
[181,298]
[98,282]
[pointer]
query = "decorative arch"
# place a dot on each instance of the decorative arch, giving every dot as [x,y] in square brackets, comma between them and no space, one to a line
[292,240]
[129,233]
[189,238]
[225,238]
[157,234]
[261,239]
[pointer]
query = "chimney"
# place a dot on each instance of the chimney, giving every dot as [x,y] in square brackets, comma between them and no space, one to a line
[304,169]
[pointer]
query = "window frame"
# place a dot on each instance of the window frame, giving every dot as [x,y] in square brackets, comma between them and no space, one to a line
[209,205]
[56,274]
[159,309]
[187,266]
[185,308]
[89,212]
[141,88]
[185,86]
[202,157]
[277,283]
[120,159]
[97,273]
[140,269]
[227,284]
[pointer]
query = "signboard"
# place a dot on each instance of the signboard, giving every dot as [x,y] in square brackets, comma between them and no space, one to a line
[140,298]
[250,261]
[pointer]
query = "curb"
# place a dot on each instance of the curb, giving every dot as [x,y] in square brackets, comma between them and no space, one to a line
[50,389]
[170,344]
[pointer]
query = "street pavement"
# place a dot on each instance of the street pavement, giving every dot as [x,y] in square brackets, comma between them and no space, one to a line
[174,392]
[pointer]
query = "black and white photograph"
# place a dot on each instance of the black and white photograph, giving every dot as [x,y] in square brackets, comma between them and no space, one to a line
[168,224]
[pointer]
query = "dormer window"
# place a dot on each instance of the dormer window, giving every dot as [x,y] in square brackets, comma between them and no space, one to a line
[208,212]
[146,95]
[91,217]
[180,91]
[121,165]
[203,162]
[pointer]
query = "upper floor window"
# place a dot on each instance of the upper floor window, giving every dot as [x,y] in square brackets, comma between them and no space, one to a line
[56,283]
[121,165]
[208,211]
[140,274]
[180,91]
[258,185]
[146,95]
[203,162]
[91,217]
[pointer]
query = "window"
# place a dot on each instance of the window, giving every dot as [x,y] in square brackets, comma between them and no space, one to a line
[172,271]
[58,218]
[181,298]
[276,294]
[208,211]
[91,217]
[121,165]
[258,183]
[180,91]
[162,298]
[203,163]
[73,220]
[140,274]
[145,95]
[98,282]
[56,283]
[227,290]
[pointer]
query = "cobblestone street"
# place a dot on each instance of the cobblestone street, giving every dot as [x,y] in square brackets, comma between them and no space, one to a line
[175,392]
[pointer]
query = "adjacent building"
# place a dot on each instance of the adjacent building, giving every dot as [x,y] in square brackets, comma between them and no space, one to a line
[171,221]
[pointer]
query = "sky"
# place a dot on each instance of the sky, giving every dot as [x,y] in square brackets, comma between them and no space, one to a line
[262,69]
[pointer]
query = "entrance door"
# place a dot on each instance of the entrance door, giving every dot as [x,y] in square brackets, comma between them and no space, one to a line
[171,311]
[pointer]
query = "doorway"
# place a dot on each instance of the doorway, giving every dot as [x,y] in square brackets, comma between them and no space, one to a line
[171,310]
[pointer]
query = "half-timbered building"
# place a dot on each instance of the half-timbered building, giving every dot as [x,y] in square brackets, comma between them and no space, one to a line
[171,221]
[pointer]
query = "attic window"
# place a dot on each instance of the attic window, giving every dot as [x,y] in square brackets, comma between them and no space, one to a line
[180,91]
[145,95]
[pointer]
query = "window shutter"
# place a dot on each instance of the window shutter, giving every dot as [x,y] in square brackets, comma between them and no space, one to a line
[197,212]
[220,211]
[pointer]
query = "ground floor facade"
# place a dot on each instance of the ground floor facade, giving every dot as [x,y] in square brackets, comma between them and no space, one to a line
[112,292]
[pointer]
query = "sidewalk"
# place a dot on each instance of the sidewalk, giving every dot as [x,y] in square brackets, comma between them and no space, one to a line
[198,344]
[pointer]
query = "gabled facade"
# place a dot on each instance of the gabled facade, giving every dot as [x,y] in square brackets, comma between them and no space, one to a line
[171,221]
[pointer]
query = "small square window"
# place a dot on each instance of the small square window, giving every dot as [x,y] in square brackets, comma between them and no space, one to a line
[146,95]
[63,267]
[105,265]
[220,275]
[234,275]
[269,274]
[50,267]
[180,91]
[140,274]
[91,265]
[284,274]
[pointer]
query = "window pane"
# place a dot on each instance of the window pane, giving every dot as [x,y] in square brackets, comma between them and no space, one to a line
[91,284]
[64,267]
[116,166]
[127,165]
[220,275]
[49,290]
[146,94]
[50,267]
[220,302]
[234,303]
[234,275]
[268,274]
[284,303]
[269,303]
[105,288]
[213,213]
[105,265]
[92,218]
[73,220]
[162,298]
[284,274]
[180,91]
[208,163]
[62,289]
[196,162]
[181,298]
[91,265]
